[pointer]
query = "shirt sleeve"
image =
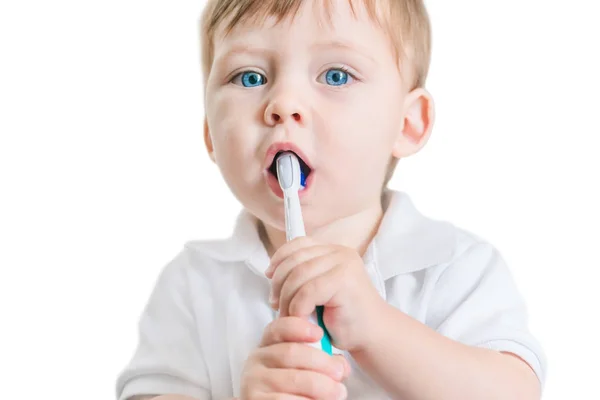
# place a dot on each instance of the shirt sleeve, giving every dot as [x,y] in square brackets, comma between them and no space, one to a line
[476,302]
[168,358]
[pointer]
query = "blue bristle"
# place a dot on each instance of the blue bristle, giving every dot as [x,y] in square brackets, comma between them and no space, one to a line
[302,179]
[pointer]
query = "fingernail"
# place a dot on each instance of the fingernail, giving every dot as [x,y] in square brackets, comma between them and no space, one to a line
[315,330]
[272,297]
[269,269]
[343,392]
[339,371]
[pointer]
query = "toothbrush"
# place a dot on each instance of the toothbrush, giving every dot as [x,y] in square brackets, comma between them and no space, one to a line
[291,179]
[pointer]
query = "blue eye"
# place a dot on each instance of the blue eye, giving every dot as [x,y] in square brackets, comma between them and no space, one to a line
[250,79]
[336,77]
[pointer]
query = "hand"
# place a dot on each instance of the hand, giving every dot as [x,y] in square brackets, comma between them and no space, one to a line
[286,367]
[306,274]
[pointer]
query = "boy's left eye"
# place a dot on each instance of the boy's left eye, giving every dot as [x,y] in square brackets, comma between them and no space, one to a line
[336,77]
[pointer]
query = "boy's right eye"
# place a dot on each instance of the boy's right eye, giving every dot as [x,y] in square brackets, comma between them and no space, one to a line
[249,79]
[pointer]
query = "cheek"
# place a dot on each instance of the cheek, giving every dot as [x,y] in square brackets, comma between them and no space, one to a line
[234,134]
[225,113]
[231,121]
[361,128]
[358,136]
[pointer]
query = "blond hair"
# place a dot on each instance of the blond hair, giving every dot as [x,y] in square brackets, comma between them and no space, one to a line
[406,22]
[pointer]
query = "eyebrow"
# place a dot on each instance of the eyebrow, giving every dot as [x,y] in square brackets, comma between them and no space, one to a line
[242,49]
[342,45]
[246,49]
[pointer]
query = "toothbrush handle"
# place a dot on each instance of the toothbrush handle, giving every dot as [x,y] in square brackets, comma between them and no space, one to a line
[326,339]
[295,228]
[293,219]
[325,342]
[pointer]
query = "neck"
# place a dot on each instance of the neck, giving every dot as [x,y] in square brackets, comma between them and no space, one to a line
[355,231]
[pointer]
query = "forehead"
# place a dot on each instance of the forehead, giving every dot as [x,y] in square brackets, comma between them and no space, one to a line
[359,21]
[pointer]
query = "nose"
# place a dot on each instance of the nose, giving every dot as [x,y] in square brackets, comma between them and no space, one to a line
[284,109]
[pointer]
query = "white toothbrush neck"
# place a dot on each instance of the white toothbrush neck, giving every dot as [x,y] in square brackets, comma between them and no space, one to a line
[294,224]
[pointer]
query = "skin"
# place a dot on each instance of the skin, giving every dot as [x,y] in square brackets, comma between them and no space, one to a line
[348,134]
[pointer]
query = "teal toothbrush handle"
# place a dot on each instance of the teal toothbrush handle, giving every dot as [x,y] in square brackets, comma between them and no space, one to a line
[326,339]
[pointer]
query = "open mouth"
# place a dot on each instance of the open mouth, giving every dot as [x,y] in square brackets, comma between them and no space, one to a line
[304,168]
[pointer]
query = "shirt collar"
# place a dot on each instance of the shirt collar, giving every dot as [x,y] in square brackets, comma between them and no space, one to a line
[406,241]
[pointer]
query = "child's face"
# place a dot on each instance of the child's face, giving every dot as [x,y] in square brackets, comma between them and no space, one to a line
[333,91]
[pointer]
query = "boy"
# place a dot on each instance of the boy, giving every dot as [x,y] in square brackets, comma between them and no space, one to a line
[417,308]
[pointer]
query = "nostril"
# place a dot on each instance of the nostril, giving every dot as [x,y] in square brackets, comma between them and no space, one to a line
[276,118]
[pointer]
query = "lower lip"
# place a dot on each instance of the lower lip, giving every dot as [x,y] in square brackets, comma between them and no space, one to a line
[274,185]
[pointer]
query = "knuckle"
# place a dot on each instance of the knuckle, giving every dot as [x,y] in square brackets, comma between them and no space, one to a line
[269,333]
[330,389]
[288,327]
[303,294]
[292,323]
[251,381]
[253,357]
[317,285]
[291,352]
[295,273]
[312,264]
[254,363]
[311,384]
[302,239]
[297,303]
[296,258]
[266,379]
[296,380]
[336,391]
[276,330]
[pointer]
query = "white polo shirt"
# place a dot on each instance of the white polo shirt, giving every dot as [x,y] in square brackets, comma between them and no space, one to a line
[210,304]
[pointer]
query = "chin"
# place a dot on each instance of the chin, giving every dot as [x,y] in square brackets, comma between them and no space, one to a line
[267,209]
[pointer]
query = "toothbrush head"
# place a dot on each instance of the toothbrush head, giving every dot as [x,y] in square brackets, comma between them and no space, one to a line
[289,173]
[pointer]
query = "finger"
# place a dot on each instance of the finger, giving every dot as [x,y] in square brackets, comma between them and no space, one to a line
[284,288]
[300,356]
[309,261]
[347,367]
[289,248]
[318,291]
[283,396]
[290,329]
[304,383]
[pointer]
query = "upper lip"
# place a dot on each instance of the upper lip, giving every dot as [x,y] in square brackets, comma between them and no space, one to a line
[284,146]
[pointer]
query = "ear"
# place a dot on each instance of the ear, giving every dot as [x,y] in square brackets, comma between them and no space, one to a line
[416,125]
[208,141]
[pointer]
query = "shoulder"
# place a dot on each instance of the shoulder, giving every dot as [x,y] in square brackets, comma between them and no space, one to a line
[472,255]
[474,282]
[472,262]
[204,265]
[474,299]
[193,267]
[467,243]
[204,260]
[409,241]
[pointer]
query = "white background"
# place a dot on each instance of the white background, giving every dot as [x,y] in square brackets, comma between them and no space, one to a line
[103,174]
